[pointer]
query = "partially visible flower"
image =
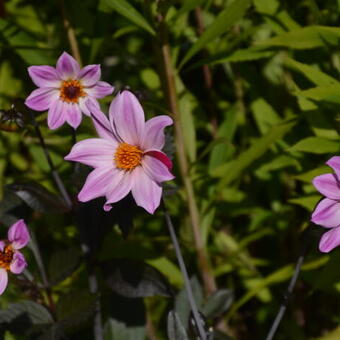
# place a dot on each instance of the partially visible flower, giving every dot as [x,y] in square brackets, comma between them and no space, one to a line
[63,90]
[127,156]
[10,256]
[327,212]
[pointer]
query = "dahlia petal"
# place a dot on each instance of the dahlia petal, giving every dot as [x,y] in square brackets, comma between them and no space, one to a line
[327,213]
[100,90]
[100,121]
[334,163]
[3,280]
[41,99]
[89,75]
[18,263]
[145,191]
[127,118]
[330,240]
[156,170]
[57,114]
[119,187]
[2,245]
[44,76]
[67,67]
[95,152]
[96,184]
[73,114]
[18,234]
[83,104]
[328,185]
[161,156]
[154,132]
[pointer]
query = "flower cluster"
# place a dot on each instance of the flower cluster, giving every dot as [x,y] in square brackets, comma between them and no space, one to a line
[327,212]
[11,259]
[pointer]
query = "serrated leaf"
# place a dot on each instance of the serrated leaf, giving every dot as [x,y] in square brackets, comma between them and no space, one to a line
[218,303]
[23,315]
[175,328]
[62,264]
[230,171]
[305,38]
[317,145]
[125,9]
[132,279]
[38,197]
[221,24]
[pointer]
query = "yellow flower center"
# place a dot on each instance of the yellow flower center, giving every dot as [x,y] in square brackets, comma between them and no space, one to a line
[6,257]
[71,91]
[127,156]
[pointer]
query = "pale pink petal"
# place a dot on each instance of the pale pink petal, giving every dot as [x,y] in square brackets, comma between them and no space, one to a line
[67,67]
[95,152]
[119,187]
[83,104]
[57,114]
[3,280]
[73,114]
[41,99]
[18,263]
[44,76]
[127,118]
[2,245]
[96,184]
[161,156]
[89,75]
[100,121]
[156,170]
[334,163]
[100,90]
[328,185]
[145,191]
[154,137]
[18,234]
[330,240]
[327,213]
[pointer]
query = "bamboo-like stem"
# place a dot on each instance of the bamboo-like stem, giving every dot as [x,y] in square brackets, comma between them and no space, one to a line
[71,35]
[171,97]
[185,275]
[286,296]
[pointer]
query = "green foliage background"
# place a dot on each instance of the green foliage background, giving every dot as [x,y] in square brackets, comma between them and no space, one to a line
[254,139]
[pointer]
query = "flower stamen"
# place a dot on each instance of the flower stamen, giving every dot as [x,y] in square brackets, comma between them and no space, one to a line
[6,257]
[127,156]
[71,91]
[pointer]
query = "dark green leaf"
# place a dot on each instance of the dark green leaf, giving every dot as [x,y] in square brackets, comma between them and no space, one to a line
[134,279]
[218,303]
[175,328]
[117,330]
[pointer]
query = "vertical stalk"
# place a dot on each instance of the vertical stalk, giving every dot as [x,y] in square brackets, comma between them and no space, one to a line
[184,271]
[286,297]
[171,97]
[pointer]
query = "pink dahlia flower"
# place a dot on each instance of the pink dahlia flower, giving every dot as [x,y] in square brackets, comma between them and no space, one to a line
[63,90]
[127,156]
[10,256]
[327,212]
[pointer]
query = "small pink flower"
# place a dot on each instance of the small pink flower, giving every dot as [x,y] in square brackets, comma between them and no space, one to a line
[63,90]
[327,212]
[10,257]
[127,156]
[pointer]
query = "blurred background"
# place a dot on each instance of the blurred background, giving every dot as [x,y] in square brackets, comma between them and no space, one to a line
[253,88]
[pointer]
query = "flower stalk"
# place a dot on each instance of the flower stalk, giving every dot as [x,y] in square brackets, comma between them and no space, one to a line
[171,97]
